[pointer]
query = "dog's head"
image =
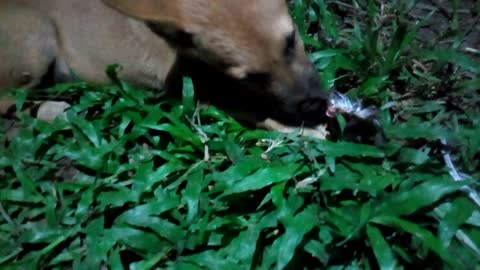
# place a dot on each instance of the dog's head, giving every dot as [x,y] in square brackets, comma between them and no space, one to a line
[252,43]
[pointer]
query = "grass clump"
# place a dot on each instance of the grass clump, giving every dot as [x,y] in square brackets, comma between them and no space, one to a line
[127,181]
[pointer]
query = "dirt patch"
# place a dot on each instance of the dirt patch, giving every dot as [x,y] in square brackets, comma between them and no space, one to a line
[444,25]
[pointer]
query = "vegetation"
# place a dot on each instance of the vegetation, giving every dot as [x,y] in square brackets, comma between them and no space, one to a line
[128,181]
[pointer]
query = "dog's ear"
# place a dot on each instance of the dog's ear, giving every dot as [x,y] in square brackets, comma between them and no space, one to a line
[162,11]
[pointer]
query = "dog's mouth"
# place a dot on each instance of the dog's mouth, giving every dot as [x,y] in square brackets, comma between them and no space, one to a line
[307,112]
[242,99]
[255,105]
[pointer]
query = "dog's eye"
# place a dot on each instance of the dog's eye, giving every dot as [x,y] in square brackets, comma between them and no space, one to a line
[290,44]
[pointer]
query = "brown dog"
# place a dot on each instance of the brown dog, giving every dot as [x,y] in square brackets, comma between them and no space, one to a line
[243,56]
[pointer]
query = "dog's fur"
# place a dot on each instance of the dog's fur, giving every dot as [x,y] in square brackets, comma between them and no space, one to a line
[244,56]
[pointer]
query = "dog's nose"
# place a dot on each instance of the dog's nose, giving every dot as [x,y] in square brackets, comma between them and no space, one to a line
[307,111]
[312,106]
[311,101]
[312,110]
[306,103]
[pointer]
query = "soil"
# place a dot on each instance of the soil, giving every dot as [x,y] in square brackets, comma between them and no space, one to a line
[439,27]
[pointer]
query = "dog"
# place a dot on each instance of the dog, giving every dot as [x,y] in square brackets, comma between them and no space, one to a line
[245,57]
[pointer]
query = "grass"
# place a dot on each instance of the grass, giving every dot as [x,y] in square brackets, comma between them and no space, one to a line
[128,181]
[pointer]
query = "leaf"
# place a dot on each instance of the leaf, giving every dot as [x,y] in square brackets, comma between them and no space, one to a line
[192,194]
[418,157]
[114,261]
[263,177]
[112,73]
[316,56]
[97,246]
[381,249]
[405,202]
[460,211]
[301,224]
[179,132]
[154,208]
[284,247]
[146,177]
[474,219]
[243,247]
[20,195]
[136,239]
[241,170]
[38,233]
[396,47]
[372,86]
[344,178]
[342,122]
[211,260]
[147,264]
[344,62]
[330,163]
[327,19]
[376,184]
[341,149]
[471,85]
[318,250]
[88,129]
[451,56]
[233,150]
[417,130]
[425,236]
[188,97]
[86,155]
[117,198]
